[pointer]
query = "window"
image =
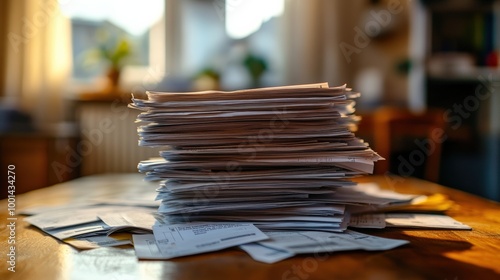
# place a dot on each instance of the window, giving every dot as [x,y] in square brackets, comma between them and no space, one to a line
[179,39]
[112,26]
[221,36]
[244,17]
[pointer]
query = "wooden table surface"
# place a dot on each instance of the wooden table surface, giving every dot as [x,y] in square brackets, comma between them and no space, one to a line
[432,254]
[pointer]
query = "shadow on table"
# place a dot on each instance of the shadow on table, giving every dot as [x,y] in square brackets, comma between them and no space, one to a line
[426,257]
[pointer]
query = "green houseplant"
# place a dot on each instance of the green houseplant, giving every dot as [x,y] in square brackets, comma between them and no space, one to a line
[114,53]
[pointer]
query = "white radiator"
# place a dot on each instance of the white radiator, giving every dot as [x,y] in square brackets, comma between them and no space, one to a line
[109,140]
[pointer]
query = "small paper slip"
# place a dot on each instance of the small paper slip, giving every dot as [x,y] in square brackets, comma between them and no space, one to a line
[57,219]
[424,221]
[265,254]
[367,221]
[92,242]
[97,227]
[194,238]
[140,219]
[373,189]
[302,242]
[145,247]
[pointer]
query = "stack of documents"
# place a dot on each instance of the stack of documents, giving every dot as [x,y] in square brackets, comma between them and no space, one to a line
[265,169]
[279,158]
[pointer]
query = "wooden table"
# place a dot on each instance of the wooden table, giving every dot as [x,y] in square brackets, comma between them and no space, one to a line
[432,254]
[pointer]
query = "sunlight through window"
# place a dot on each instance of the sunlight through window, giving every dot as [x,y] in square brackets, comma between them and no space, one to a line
[244,17]
[102,28]
[136,17]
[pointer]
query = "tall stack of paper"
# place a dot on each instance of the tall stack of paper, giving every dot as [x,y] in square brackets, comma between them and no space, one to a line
[279,158]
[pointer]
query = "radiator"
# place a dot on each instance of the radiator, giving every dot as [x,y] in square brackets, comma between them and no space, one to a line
[109,140]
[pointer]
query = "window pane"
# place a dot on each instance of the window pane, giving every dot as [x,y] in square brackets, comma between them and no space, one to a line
[110,33]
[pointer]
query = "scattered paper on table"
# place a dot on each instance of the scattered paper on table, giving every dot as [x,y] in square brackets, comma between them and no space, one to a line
[367,221]
[138,220]
[301,242]
[423,221]
[265,254]
[92,242]
[97,227]
[194,238]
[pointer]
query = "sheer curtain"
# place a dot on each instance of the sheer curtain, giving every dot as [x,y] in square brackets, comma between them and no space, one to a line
[313,33]
[37,58]
[311,38]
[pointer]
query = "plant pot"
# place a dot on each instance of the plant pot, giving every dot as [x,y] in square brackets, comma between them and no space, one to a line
[113,75]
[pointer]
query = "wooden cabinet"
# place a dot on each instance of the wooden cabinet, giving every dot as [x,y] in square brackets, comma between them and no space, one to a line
[40,160]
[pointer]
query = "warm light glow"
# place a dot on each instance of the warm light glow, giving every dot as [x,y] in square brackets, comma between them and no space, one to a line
[244,17]
[136,17]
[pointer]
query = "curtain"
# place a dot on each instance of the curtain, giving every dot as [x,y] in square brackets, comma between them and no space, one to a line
[313,31]
[37,58]
[316,40]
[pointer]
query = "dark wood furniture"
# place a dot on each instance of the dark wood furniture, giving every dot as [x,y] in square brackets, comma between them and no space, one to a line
[40,159]
[409,141]
[432,254]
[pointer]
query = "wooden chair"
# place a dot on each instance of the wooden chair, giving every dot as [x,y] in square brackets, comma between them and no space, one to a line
[409,141]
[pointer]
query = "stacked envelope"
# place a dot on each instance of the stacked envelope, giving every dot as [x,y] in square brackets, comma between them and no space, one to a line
[279,158]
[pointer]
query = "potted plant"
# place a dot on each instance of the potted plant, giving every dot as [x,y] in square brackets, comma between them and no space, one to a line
[114,52]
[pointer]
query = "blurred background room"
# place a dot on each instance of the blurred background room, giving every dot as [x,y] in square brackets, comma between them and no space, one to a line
[428,72]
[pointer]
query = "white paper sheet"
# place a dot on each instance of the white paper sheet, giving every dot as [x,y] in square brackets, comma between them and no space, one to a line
[92,242]
[74,216]
[80,229]
[300,242]
[265,254]
[145,247]
[194,238]
[142,219]
[367,221]
[423,221]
